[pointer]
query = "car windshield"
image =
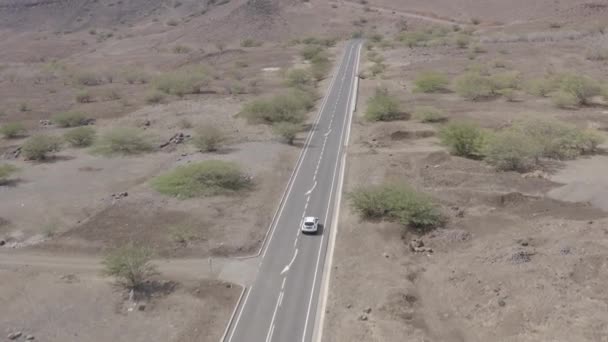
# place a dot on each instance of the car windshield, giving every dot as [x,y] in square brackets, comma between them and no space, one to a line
[308,223]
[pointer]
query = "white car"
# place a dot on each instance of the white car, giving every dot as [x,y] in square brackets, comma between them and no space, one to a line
[310,225]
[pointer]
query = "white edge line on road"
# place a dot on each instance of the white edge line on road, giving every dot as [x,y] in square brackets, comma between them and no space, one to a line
[324,291]
[245,289]
[274,316]
[283,284]
[312,292]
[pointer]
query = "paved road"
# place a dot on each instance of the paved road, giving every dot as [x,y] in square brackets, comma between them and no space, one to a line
[282,303]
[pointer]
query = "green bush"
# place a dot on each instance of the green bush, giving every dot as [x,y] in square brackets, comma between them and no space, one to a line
[208,138]
[564,99]
[309,52]
[182,82]
[582,87]
[80,137]
[559,140]
[431,82]
[462,40]
[208,178]
[414,38]
[70,119]
[382,106]
[463,139]
[429,114]
[131,265]
[6,170]
[287,131]
[289,107]
[40,146]
[12,130]
[377,69]
[506,80]
[397,202]
[540,87]
[181,49]
[474,86]
[512,151]
[123,140]
[299,78]
[183,234]
[319,67]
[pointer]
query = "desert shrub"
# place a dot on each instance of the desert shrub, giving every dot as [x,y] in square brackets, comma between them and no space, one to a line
[474,86]
[208,138]
[123,140]
[183,234]
[512,95]
[478,49]
[250,43]
[24,107]
[462,40]
[172,22]
[475,21]
[290,107]
[155,97]
[382,106]
[431,82]
[582,87]
[539,87]
[512,151]
[299,78]
[87,78]
[377,68]
[6,170]
[506,80]
[70,119]
[559,140]
[564,99]
[429,114]
[131,265]
[286,131]
[12,130]
[308,52]
[463,139]
[376,37]
[597,54]
[134,76]
[182,82]
[84,96]
[396,202]
[40,146]
[80,137]
[319,67]
[413,38]
[181,49]
[207,178]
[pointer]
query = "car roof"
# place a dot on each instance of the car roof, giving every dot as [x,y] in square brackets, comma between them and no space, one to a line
[310,219]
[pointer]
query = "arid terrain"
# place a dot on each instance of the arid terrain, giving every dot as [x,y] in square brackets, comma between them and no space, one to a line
[522,256]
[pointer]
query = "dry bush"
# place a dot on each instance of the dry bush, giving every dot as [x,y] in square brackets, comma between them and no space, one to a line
[429,114]
[155,97]
[131,265]
[250,43]
[6,170]
[124,140]
[84,96]
[382,106]
[40,146]
[12,130]
[70,119]
[209,138]
[88,78]
[288,107]
[474,86]
[512,151]
[431,82]
[80,137]
[184,81]
[181,49]
[397,202]
[286,131]
[299,78]
[463,139]
[135,76]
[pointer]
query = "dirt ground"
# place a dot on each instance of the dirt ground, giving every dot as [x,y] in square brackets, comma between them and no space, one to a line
[521,258]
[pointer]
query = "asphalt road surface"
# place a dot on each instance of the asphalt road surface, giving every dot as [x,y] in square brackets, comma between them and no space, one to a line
[282,303]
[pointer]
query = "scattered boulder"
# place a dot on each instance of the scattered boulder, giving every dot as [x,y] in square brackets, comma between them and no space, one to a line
[501,303]
[119,195]
[30,337]
[521,256]
[536,174]
[2,242]
[385,255]
[45,123]
[367,310]
[15,335]
[348,306]
[417,246]
[13,154]
[363,318]
[565,251]
[176,139]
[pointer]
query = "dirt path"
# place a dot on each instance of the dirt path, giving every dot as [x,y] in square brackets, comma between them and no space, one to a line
[232,270]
